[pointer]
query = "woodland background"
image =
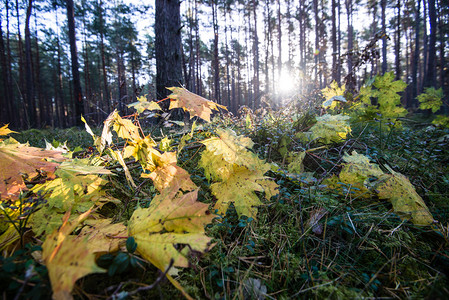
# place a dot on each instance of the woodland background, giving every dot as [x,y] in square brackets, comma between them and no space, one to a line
[61,59]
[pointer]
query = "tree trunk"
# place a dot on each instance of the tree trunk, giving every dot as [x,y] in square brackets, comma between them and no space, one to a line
[383,4]
[416,55]
[256,81]
[106,99]
[8,112]
[168,46]
[30,101]
[216,63]
[350,78]
[44,115]
[5,102]
[431,79]
[23,110]
[77,92]
[397,45]
[334,40]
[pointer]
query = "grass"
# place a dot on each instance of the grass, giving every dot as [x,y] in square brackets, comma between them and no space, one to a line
[308,242]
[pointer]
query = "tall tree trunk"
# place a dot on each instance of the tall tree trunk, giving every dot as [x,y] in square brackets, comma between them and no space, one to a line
[431,79]
[334,40]
[7,112]
[30,100]
[21,92]
[228,61]
[59,99]
[44,115]
[350,78]
[383,4]
[106,99]
[416,55]
[256,79]
[5,101]
[216,62]
[279,39]
[397,44]
[77,92]
[442,47]
[168,46]
[425,52]
[317,40]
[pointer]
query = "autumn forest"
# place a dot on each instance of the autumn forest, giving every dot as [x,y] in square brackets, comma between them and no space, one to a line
[60,59]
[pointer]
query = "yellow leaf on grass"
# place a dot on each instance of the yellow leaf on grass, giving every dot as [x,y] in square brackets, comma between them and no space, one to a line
[67,259]
[240,188]
[168,174]
[102,236]
[194,104]
[406,201]
[233,149]
[171,228]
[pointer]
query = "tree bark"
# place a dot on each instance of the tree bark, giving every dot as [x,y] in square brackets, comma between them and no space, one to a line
[256,81]
[383,4]
[397,49]
[30,100]
[430,79]
[168,46]
[416,55]
[77,92]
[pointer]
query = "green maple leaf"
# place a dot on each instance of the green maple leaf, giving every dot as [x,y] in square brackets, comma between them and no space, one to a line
[328,129]
[143,104]
[431,99]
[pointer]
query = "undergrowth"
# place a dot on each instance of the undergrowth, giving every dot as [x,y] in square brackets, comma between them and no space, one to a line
[307,242]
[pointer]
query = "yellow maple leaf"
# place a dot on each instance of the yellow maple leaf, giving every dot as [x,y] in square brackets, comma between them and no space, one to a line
[4,130]
[194,104]
[125,128]
[233,149]
[240,188]
[67,259]
[168,174]
[171,219]
[406,201]
[143,104]
[102,236]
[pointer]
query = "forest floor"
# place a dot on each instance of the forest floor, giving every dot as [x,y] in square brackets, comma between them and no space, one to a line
[308,241]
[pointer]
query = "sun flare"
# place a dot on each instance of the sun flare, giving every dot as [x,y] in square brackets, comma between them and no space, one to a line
[286,82]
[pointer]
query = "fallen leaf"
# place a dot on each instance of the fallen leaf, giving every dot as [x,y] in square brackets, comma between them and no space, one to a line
[18,160]
[171,228]
[194,104]
[67,259]
[397,189]
[168,174]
